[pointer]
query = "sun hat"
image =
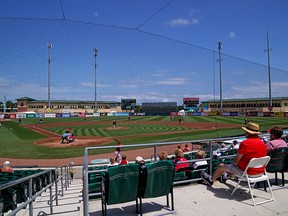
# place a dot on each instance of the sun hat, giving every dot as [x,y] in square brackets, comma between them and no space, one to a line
[252,128]
[6,163]
[139,159]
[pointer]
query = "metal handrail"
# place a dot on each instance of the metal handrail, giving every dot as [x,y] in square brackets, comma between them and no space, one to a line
[31,198]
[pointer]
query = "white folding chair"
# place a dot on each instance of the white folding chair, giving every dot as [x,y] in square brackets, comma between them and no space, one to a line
[252,180]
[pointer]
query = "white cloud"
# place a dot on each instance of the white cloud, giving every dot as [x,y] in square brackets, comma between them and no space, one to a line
[232,35]
[194,21]
[172,81]
[183,22]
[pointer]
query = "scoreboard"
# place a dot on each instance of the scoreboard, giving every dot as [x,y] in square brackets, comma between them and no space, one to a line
[190,102]
[128,104]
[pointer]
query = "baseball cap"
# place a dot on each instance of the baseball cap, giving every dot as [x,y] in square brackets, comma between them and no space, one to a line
[139,159]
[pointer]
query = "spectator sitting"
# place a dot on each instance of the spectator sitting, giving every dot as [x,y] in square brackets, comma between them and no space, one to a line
[140,161]
[186,148]
[163,155]
[112,162]
[123,160]
[276,141]
[180,161]
[223,147]
[235,145]
[142,175]
[200,155]
[252,147]
[6,167]
[180,147]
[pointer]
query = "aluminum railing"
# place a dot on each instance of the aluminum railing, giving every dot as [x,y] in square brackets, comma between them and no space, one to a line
[86,172]
[61,176]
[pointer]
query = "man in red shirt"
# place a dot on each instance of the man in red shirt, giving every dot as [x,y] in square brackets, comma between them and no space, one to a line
[252,147]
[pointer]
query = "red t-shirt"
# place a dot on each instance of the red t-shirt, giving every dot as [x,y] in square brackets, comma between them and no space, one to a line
[251,148]
[179,163]
[123,162]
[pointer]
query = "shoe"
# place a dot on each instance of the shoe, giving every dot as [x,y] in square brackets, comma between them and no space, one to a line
[223,178]
[206,178]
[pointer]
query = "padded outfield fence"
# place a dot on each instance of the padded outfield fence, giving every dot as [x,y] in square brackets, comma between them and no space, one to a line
[92,173]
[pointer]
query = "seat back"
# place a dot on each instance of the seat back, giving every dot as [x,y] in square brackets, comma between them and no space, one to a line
[277,162]
[121,184]
[159,178]
[258,162]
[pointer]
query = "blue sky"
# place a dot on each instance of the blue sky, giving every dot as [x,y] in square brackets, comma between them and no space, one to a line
[150,50]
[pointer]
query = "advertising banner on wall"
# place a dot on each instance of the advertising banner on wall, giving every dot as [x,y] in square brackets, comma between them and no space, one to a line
[197,114]
[82,114]
[121,114]
[268,114]
[50,115]
[65,115]
[12,116]
[30,115]
[20,115]
[279,114]
[173,113]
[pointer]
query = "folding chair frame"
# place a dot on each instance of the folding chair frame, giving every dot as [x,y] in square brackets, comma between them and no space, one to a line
[252,180]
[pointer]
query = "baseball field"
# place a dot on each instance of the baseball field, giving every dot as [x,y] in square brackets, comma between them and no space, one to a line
[33,143]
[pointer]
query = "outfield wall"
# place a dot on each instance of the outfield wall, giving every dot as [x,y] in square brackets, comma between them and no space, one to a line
[84,115]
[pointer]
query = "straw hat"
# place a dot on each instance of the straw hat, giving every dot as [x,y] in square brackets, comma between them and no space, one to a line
[252,128]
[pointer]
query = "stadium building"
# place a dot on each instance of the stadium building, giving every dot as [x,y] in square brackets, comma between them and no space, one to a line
[261,105]
[26,104]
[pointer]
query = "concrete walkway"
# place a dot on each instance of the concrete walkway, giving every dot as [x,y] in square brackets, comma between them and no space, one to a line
[189,199]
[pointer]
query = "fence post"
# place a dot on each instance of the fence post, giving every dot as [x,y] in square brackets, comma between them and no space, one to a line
[30,197]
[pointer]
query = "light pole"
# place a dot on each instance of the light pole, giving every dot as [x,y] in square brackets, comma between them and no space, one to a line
[49,46]
[220,71]
[270,107]
[95,66]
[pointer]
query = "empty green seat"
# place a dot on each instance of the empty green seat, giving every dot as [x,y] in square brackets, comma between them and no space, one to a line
[159,181]
[119,185]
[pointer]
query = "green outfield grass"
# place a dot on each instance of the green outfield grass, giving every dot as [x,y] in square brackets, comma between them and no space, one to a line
[17,142]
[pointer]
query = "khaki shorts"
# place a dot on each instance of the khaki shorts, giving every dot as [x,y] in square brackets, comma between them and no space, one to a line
[235,169]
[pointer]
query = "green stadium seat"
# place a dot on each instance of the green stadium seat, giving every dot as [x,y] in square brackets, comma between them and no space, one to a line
[159,182]
[119,185]
[277,163]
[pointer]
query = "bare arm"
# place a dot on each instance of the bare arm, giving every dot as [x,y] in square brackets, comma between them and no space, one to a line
[237,158]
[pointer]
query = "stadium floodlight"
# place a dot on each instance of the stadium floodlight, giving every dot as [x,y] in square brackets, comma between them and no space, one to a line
[220,72]
[95,66]
[49,46]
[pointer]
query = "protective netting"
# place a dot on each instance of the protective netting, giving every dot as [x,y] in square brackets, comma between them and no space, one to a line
[131,62]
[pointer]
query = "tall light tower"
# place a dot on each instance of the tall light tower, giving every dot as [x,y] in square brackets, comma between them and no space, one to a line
[49,46]
[95,66]
[270,107]
[220,71]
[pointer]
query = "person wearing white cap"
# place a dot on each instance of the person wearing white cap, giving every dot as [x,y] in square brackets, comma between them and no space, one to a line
[6,167]
[252,147]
